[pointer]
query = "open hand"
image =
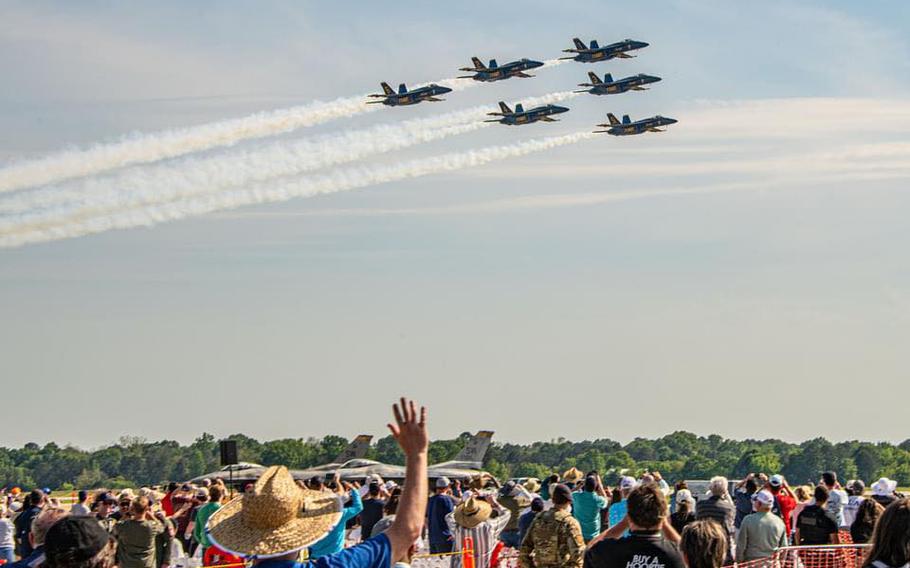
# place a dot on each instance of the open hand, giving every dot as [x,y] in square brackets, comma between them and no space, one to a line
[410,428]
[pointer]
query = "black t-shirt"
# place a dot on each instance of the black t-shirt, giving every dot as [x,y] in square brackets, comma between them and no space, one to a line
[815,526]
[679,521]
[641,549]
[372,512]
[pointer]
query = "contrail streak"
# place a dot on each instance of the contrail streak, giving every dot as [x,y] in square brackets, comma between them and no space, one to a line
[193,176]
[143,148]
[331,182]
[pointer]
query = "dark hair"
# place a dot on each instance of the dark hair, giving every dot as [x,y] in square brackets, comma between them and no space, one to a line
[891,538]
[647,506]
[172,486]
[590,483]
[616,496]
[821,494]
[868,513]
[316,483]
[553,478]
[391,506]
[683,507]
[537,505]
[374,489]
[140,506]
[703,544]
[681,484]
[829,477]
[751,486]
[216,492]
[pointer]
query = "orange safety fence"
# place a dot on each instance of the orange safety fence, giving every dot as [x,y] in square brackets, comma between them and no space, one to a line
[827,556]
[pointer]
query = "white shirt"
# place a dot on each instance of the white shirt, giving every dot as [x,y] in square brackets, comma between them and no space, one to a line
[6,533]
[79,509]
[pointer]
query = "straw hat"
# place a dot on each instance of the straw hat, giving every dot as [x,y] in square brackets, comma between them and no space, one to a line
[472,512]
[573,475]
[277,517]
[532,485]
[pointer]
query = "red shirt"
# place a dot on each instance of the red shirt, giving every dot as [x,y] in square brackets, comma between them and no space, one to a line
[167,504]
[214,556]
[786,503]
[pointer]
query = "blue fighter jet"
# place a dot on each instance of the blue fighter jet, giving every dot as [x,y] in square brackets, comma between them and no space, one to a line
[406,97]
[584,54]
[627,127]
[497,72]
[522,116]
[610,87]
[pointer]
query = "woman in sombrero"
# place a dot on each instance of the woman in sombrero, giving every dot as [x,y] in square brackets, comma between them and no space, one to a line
[274,521]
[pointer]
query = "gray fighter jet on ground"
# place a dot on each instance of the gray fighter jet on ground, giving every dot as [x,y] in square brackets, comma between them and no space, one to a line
[468,463]
[245,472]
[595,53]
[610,87]
[497,72]
[405,97]
[521,116]
[627,127]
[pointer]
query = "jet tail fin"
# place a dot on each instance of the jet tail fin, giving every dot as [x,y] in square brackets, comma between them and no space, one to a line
[402,89]
[594,44]
[626,119]
[493,64]
[504,108]
[578,43]
[613,120]
[478,64]
[387,89]
[476,448]
[608,78]
[519,108]
[357,449]
[595,80]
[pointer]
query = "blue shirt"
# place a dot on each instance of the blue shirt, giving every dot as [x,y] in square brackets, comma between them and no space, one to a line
[373,553]
[618,512]
[334,541]
[586,507]
[524,523]
[438,507]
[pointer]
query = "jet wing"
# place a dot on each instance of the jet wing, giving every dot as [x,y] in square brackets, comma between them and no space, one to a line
[623,55]
[434,99]
[547,119]
[652,129]
[523,74]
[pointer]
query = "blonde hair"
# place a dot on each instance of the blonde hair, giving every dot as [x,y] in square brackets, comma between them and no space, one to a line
[703,544]
[718,485]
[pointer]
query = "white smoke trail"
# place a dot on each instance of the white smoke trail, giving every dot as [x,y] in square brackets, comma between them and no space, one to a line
[334,181]
[144,148]
[193,176]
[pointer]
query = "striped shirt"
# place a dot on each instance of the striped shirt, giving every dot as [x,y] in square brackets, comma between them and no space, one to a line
[485,536]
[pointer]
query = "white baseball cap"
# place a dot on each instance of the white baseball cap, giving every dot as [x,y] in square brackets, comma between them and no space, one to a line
[627,482]
[442,482]
[777,480]
[763,497]
[684,495]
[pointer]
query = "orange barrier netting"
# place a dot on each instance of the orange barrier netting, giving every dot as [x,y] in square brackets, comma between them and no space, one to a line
[829,556]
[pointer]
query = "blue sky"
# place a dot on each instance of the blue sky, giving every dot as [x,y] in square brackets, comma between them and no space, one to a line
[744,273]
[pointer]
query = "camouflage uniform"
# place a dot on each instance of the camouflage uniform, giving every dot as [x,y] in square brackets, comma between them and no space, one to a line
[553,541]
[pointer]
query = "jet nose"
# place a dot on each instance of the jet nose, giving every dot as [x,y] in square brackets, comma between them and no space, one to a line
[670,120]
[641,44]
[444,89]
[654,78]
[560,109]
[535,64]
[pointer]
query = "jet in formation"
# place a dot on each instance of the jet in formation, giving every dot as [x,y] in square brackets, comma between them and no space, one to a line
[495,72]
[610,87]
[627,127]
[245,472]
[620,49]
[404,97]
[522,116]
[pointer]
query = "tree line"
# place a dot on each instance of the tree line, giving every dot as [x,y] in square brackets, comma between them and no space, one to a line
[133,462]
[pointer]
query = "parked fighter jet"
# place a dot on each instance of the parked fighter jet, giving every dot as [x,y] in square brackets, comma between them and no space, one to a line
[609,87]
[467,463]
[406,97]
[522,116]
[497,72]
[244,472]
[584,54]
[627,127]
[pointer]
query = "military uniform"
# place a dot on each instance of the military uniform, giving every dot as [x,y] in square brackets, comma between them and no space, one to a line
[553,541]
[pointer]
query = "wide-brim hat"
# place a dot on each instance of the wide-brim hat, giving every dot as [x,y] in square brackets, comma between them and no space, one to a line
[884,487]
[573,475]
[472,512]
[532,485]
[276,518]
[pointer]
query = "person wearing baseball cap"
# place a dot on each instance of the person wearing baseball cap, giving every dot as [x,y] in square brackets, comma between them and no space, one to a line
[855,489]
[439,506]
[619,509]
[79,542]
[784,500]
[762,531]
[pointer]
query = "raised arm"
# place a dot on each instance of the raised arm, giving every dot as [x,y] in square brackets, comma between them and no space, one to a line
[410,431]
